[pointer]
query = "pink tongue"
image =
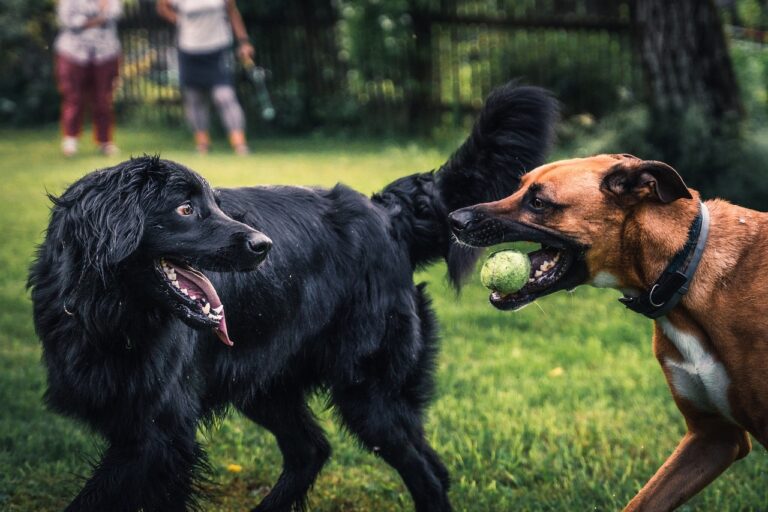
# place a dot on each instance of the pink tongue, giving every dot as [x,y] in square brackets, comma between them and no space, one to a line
[201,282]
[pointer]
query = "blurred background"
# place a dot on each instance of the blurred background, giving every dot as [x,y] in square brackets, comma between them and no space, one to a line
[558,407]
[681,81]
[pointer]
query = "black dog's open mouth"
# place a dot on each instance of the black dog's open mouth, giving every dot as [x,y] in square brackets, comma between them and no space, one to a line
[194,296]
[552,269]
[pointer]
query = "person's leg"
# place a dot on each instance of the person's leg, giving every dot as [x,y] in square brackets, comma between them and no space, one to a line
[232,116]
[196,111]
[104,77]
[69,79]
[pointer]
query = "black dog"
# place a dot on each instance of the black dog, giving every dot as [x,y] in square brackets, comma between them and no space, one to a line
[106,309]
[334,307]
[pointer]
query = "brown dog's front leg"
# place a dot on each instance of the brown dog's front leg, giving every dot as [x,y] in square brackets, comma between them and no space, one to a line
[699,458]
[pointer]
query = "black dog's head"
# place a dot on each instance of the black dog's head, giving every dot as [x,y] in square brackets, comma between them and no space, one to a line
[152,224]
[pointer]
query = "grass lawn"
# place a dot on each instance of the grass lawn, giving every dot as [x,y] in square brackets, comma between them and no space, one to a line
[557,407]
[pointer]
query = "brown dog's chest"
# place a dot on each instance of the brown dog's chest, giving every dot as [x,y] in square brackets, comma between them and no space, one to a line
[694,373]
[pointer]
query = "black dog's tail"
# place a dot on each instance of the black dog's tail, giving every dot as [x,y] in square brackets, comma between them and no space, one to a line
[512,135]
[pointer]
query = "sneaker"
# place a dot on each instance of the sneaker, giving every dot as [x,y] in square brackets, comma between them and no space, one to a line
[69,146]
[108,149]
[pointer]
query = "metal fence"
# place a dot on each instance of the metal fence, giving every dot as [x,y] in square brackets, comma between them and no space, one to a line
[397,66]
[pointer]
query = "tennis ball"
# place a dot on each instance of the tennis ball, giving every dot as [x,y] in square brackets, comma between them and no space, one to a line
[506,271]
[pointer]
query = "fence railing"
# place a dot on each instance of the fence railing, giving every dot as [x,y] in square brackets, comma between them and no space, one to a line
[362,64]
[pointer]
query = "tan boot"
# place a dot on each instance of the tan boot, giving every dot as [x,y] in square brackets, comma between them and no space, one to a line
[237,140]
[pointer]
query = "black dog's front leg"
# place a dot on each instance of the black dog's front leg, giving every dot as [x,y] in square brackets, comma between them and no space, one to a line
[391,427]
[302,444]
[153,472]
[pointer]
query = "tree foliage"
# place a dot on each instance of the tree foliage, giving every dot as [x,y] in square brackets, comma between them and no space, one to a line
[27,89]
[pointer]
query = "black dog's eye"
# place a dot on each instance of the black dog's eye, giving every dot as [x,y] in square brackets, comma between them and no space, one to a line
[185,210]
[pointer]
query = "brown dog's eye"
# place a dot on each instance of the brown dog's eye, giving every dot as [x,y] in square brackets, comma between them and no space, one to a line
[185,210]
[537,204]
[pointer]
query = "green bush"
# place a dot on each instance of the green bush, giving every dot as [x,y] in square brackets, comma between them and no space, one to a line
[750,62]
[27,88]
[731,166]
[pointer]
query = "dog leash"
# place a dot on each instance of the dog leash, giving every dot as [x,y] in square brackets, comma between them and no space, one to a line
[673,283]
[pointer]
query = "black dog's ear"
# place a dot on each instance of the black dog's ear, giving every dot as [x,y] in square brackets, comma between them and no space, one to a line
[636,180]
[103,215]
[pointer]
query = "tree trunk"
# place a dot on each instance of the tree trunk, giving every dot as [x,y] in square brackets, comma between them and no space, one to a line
[685,59]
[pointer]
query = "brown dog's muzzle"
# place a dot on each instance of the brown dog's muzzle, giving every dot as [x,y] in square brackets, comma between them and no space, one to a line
[556,266]
[479,227]
[473,226]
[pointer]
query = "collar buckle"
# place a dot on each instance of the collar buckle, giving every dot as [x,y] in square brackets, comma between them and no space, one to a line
[672,285]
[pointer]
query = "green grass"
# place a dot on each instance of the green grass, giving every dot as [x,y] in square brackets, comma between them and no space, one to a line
[515,434]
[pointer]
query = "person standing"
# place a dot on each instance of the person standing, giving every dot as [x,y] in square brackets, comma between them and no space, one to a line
[206,30]
[87,52]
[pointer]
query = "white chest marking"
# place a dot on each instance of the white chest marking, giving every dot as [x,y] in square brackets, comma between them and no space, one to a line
[699,378]
[605,279]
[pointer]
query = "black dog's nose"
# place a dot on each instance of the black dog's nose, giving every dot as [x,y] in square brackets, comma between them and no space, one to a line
[259,244]
[460,219]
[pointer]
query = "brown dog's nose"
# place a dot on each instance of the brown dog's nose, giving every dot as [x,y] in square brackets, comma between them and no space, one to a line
[460,219]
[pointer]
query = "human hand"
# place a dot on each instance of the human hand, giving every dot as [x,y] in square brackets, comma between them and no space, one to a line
[245,52]
[96,21]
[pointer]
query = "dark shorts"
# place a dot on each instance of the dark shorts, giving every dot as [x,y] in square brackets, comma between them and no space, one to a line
[205,70]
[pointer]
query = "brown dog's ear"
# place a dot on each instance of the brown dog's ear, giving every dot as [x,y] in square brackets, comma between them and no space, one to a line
[622,156]
[628,183]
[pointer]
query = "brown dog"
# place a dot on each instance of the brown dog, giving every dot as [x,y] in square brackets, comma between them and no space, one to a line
[621,222]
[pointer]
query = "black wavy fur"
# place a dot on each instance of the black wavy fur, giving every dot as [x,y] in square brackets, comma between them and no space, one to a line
[333,307]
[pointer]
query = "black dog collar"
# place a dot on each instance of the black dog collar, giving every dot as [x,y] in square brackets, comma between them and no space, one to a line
[673,283]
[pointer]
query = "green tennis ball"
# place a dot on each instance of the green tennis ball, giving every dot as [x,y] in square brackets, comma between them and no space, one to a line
[506,271]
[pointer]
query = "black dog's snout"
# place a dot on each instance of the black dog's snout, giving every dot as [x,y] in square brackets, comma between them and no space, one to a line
[461,219]
[259,244]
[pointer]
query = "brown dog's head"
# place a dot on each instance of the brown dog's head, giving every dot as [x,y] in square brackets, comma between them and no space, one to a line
[577,210]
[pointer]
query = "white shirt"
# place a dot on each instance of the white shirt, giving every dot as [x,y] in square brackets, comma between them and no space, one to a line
[81,44]
[203,25]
